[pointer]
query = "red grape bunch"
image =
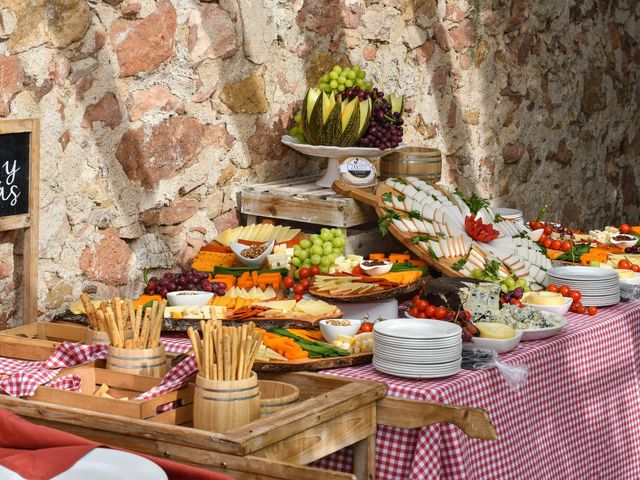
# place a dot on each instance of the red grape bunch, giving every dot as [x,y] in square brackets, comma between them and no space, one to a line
[187,280]
[385,126]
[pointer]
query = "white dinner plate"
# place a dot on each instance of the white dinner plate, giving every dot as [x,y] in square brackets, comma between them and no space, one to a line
[582,273]
[410,329]
[418,352]
[411,359]
[419,372]
[417,344]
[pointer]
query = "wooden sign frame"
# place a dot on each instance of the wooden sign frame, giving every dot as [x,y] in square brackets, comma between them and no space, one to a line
[28,222]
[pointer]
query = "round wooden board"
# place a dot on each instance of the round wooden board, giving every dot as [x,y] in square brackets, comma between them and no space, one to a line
[373,297]
[314,364]
[375,200]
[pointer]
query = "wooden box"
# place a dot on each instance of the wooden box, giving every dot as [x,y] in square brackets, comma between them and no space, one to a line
[121,385]
[37,341]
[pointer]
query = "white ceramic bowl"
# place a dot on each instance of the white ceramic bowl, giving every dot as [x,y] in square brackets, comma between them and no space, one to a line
[557,309]
[376,270]
[188,298]
[624,243]
[500,345]
[331,332]
[257,262]
[540,333]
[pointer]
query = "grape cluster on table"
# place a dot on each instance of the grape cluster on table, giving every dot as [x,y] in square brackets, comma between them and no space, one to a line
[385,127]
[191,280]
[632,250]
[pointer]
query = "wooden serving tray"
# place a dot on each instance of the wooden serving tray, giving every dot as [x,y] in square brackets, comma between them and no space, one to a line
[313,364]
[375,200]
[120,385]
[37,341]
[373,297]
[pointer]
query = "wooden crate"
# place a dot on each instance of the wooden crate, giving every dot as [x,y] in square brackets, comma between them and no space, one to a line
[121,385]
[333,413]
[301,200]
[37,341]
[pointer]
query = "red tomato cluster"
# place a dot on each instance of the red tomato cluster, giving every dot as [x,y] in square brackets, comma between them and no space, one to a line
[576,296]
[366,327]
[303,284]
[421,308]
[624,228]
[563,245]
[627,265]
[477,230]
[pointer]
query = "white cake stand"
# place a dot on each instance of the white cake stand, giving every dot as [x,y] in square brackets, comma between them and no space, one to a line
[334,155]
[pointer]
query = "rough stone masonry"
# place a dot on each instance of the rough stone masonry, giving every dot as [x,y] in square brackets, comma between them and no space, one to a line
[155,113]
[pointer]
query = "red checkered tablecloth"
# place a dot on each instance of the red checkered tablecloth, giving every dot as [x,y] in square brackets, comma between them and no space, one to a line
[577,417]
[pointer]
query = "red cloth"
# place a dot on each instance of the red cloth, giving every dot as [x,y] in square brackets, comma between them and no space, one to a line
[40,453]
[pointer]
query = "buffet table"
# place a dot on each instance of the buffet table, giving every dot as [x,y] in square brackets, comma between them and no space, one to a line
[577,416]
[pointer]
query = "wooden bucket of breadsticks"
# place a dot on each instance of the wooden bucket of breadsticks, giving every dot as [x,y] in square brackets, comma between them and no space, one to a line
[134,336]
[227,395]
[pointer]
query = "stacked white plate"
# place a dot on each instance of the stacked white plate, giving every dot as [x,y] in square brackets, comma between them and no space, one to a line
[415,348]
[600,287]
[509,214]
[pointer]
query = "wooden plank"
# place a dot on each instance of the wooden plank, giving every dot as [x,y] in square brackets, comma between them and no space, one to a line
[15,222]
[282,183]
[305,415]
[120,425]
[319,441]
[399,412]
[31,246]
[364,458]
[253,468]
[309,384]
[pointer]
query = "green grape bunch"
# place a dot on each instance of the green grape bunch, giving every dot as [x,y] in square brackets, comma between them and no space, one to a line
[319,250]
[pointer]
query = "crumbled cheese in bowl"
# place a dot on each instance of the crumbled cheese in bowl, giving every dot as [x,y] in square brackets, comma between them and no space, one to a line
[526,318]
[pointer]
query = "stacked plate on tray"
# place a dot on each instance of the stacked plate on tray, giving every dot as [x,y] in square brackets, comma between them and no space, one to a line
[600,287]
[417,348]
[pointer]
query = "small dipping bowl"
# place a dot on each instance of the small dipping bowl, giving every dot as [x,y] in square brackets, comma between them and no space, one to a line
[375,270]
[257,262]
[332,332]
[188,298]
[624,243]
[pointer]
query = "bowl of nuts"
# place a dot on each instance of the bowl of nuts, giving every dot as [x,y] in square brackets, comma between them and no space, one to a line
[375,267]
[332,329]
[252,255]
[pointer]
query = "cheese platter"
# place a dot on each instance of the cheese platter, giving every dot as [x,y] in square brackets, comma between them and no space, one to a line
[355,289]
[439,226]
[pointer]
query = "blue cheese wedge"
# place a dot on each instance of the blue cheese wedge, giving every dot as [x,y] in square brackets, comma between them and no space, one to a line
[481,300]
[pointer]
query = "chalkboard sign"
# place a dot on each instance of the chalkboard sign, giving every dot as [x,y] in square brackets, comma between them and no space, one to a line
[14,174]
[19,206]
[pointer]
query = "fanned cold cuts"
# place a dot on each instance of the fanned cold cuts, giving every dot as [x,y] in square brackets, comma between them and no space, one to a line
[440,224]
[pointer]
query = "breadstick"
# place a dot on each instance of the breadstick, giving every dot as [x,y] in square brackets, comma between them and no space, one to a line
[158,324]
[104,388]
[117,309]
[233,340]
[207,351]
[89,310]
[217,339]
[197,346]
[144,331]
[241,354]
[113,328]
[132,314]
[226,345]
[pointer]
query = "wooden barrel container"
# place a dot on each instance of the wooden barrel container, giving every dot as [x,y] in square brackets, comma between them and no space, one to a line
[423,163]
[222,405]
[276,395]
[96,337]
[150,362]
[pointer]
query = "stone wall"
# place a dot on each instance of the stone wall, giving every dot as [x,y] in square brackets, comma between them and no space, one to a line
[155,113]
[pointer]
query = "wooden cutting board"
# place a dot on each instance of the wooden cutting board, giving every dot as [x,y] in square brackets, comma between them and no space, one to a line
[371,297]
[314,364]
[375,200]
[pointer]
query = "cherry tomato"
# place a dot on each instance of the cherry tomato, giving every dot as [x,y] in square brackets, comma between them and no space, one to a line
[288,282]
[298,289]
[414,312]
[467,315]
[543,238]
[635,268]
[552,288]
[305,283]
[564,290]
[314,270]
[581,310]
[430,311]
[415,299]
[422,305]
[575,294]
[535,225]
[624,264]
[514,301]
[441,312]
[548,230]
[304,273]
[366,327]
[502,301]
[577,304]
[297,298]
[556,244]
[624,228]
[547,243]
[592,311]
[566,246]
[421,315]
